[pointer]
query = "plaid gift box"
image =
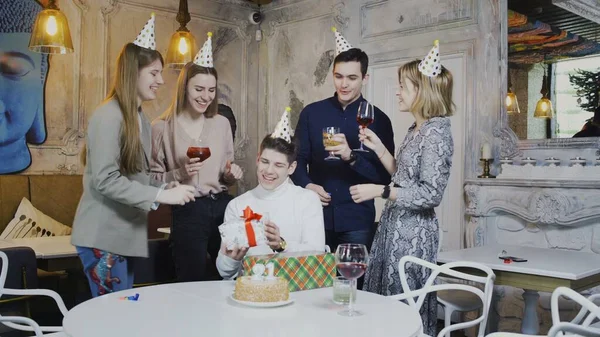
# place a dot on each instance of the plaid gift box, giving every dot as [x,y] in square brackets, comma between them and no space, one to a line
[303,270]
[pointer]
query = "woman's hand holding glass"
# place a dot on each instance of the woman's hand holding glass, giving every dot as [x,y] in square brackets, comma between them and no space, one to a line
[193,166]
[371,140]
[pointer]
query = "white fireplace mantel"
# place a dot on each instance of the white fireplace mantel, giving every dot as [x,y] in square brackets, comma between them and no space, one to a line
[557,203]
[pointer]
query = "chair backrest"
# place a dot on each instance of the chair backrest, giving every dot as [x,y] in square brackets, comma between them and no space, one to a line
[589,313]
[449,269]
[572,330]
[23,323]
[21,273]
[7,320]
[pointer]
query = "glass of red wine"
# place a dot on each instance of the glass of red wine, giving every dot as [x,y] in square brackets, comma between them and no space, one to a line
[198,152]
[351,261]
[364,117]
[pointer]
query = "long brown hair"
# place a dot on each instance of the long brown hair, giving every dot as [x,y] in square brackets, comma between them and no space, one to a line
[180,99]
[434,94]
[131,59]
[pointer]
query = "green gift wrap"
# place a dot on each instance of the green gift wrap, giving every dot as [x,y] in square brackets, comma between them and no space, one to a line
[303,270]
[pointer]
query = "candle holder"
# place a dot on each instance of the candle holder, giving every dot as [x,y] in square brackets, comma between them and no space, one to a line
[486,168]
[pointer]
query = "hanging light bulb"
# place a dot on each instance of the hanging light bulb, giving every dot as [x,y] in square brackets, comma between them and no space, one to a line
[543,108]
[51,34]
[182,46]
[51,26]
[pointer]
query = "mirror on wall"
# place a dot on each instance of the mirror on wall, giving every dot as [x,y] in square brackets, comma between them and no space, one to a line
[553,71]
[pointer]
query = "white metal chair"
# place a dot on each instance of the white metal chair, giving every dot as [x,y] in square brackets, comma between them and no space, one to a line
[579,326]
[24,323]
[458,301]
[448,269]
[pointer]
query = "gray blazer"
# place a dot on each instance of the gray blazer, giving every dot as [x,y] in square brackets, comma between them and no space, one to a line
[113,210]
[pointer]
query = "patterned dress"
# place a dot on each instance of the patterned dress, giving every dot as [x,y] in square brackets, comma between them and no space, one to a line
[408,226]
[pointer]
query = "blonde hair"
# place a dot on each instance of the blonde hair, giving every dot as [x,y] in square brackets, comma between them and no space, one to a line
[179,100]
[434,94]
[131,59]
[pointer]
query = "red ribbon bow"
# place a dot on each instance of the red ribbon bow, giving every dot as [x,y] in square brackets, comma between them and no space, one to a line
[248,216]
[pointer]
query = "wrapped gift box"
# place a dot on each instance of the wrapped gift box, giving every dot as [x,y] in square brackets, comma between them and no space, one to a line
[303,270]
[247,231]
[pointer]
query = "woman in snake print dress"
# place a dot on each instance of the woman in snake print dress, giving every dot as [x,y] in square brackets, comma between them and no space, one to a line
[408,224]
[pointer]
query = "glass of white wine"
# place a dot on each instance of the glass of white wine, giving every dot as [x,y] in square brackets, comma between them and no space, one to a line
[328,140]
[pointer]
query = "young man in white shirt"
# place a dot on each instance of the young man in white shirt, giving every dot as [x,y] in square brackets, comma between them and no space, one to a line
[294,213]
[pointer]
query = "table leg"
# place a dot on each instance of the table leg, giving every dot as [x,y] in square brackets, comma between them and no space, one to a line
[531,323]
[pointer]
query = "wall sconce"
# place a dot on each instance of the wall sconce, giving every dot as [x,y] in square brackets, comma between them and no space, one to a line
[543,108]
[512,104]
[51,34]
[182,47]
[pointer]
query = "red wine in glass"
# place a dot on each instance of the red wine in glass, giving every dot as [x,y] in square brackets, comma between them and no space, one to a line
[352,270]
[351,260]
[364,122]
[365,117]
[198,152]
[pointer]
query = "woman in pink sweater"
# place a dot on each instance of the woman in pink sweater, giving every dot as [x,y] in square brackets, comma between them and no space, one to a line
[192,121]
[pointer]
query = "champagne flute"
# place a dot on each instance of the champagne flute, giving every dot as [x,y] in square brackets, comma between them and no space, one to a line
[351,261]
[364,117]
[328,140]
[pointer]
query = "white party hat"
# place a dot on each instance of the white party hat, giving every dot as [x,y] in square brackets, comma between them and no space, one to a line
[341,45]
[430,65]
[146,38]
[282,129]
[204,58]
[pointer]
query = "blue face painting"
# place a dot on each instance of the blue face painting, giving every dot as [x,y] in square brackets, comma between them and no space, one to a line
[22,77]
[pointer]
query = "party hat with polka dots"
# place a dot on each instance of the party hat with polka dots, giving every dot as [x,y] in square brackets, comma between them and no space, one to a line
[341,45]
[430,66]
[283,129]
[146,38]
[204,58]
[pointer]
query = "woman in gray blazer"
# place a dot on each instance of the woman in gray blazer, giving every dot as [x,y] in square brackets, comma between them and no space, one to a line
[111,220]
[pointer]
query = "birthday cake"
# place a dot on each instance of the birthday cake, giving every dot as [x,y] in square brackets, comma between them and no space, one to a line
[260,288]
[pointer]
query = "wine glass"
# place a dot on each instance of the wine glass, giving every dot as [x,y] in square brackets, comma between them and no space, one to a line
[364,117]
[198,151]
[351,261]
[328,140]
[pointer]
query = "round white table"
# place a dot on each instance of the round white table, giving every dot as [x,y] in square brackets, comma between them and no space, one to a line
[204,308]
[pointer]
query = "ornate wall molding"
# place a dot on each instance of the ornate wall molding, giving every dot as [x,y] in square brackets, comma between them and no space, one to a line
[109,8]
[281,4]
[82,4]
[588,9]
[441,15]
[236,3]
[339,15]
[557,206]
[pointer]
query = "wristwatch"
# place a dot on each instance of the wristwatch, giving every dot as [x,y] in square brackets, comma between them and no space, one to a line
[386,192]
[352,158]
[282,246]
